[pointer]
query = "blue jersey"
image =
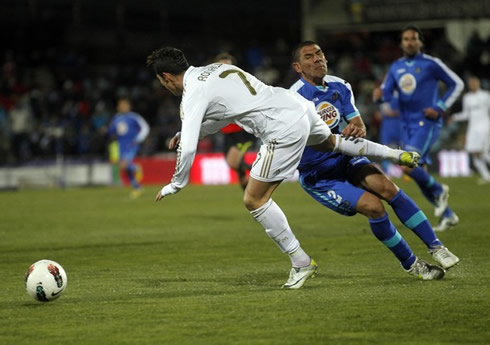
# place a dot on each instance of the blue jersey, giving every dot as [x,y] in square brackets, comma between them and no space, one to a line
[335,104]
[389,132]
[417,81]
[129,129]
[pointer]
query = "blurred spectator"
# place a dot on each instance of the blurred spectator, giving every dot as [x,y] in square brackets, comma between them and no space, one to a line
[21,123]
[67,99]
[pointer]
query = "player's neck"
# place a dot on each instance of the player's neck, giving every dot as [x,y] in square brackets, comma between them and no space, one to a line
[315,81]
[411,56]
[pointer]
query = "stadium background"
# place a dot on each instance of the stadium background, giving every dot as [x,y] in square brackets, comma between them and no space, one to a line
[196,268]
[64,64]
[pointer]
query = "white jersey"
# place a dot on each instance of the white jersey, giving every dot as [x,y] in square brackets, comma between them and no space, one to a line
[476,109]
[219,94]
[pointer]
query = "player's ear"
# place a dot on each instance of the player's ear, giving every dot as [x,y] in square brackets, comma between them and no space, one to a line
[165,77]
[297,67]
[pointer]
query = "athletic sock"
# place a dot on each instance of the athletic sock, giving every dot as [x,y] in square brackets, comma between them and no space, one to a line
[131,172]
[362,147]
[414,219]
[448,213]
[385,231]
[299,258]
[481,167]
[277,228]
[427,183]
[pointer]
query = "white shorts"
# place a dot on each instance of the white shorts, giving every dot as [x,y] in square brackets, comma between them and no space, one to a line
[279,157]
[477,141]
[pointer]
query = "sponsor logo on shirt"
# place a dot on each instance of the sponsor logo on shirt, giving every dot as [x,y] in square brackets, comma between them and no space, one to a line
[407,83]
[329,113]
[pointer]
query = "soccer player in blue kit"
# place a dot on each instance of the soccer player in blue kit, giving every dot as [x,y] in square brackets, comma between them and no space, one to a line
[350,185]
[416,77]
[389,131]
[129,129]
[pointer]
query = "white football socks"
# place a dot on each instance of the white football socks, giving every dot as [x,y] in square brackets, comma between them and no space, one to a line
[277,228]
[362,147]
[481,166]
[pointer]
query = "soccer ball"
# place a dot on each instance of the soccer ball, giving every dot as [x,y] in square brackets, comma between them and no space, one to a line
[45,280]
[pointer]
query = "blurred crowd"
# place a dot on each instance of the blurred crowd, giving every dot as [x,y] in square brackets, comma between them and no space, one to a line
[54,102]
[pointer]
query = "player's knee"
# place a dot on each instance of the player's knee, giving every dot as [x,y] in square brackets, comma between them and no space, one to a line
[370,206]
[376,210]
[388,190]
[251,202]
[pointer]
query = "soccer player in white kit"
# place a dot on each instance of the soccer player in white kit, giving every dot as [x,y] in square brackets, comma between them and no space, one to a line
[218,94]
[476,109]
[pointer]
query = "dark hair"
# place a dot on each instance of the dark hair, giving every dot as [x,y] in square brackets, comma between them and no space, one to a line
[167,59]
[225,56]
[295,55]
[413,27]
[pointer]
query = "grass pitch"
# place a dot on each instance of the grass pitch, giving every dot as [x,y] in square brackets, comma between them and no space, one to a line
[197,269]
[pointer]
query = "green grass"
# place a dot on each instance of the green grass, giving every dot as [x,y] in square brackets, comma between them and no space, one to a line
[197,269]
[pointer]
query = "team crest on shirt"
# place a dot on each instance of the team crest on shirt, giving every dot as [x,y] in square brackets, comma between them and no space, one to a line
[407,83]
[122,128]
[329,113]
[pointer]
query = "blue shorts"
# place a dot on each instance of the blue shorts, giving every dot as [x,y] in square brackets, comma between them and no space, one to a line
[420,137]
[338,194]
[128,152]
[389,133]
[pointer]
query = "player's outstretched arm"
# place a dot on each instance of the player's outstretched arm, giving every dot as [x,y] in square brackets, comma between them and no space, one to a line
[355,128]
[174,141]
[159,196]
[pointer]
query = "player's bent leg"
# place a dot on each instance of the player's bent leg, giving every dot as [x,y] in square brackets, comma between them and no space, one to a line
[442,201]
[370,206]
[276,226]
[233,158]
[258,193]
[435,192]
[362,147]
[414,218]
[384,230]
[371,178]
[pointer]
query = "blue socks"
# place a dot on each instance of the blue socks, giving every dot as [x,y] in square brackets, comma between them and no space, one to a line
[447,213]
[414,219]
[427,184]
[385,231]
[131,172]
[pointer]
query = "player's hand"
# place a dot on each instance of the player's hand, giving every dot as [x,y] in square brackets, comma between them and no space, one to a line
[431,113]
[377,95]
[159,196]
[351,130]
[174,142]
